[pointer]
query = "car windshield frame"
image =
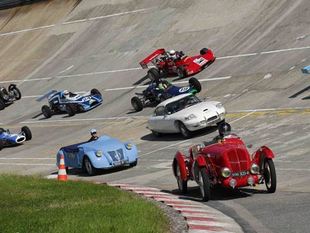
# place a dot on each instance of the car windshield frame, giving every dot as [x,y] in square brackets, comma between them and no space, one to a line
[181,104]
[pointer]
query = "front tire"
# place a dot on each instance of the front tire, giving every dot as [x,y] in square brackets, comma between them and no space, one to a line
[203,51]
[16,92]
[184,131]
[270,176]
[136,103]
[2,104]
[204,184]
[70,109]
[47,111]
[27,132]
[95,92]
[194,83]
[88,167]
[182,185]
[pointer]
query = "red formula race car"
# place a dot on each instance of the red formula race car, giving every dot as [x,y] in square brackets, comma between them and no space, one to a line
[225,161]
[175,63]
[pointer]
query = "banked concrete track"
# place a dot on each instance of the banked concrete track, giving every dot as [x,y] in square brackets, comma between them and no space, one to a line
[78,45]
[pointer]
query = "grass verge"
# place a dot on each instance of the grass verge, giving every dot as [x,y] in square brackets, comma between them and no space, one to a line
[32,204]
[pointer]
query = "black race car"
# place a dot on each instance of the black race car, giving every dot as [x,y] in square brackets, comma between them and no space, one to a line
[8,96]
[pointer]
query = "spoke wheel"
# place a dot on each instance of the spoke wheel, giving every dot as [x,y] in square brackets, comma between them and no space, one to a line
[270,176]
[182,185]
[204,184]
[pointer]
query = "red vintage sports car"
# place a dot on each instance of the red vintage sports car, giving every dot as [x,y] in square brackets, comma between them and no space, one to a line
[225,161]
[179,65]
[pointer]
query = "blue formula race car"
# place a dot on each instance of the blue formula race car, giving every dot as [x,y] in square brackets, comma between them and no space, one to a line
[160,90]
[103,153]
[10,139]
[69,102]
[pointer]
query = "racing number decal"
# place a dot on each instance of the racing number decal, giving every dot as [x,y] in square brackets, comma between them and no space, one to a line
[183,89]
[200,61]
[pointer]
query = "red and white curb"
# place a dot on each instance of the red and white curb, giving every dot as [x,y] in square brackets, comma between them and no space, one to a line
[200,218]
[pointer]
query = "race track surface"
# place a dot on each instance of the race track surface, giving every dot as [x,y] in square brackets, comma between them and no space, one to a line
[79,45]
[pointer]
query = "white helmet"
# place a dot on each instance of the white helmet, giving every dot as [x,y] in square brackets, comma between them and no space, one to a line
[65,92]
[172,52]
[93,131]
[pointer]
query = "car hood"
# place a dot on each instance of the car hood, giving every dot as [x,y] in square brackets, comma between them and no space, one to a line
[203,108]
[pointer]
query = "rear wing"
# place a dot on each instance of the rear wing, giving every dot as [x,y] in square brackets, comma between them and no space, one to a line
[151,57]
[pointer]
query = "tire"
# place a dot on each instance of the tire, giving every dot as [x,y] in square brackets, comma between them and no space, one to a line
[153,74]
[182,185]
[95,92]
[203,51]
[181,72]
[70,109]
[2,104]
[27,133]
[136,103]
[184,131]
[4,94]
[47,111]
[194,83]
[16,92]
[270,176]
[88,167]
[133,164]
[204,184]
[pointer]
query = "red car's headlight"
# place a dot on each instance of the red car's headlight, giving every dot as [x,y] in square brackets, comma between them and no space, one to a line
[254,169]
[226,172]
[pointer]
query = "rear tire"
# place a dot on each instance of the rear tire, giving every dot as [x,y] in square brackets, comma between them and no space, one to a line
[203,51]
[2,104]
[70,109]
[194,83]
[182,185]
[27,133]
[133,164]
[184,131]
[153,74]
[204,184]
[136,103]
[270,176]
[47,111]
[95,92]
[88,167]
[16,92]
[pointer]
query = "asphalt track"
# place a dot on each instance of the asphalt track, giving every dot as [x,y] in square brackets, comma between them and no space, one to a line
[260,46]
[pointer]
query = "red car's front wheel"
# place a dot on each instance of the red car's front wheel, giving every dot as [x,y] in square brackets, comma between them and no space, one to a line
[204,184]
[270,176]
[181,183]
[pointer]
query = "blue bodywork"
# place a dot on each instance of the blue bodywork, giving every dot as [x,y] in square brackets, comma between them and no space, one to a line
[104,153]
[170,91]
[9,139]
[306,70]
[84,102]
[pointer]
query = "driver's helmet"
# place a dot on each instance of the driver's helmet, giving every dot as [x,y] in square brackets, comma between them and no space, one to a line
[93,131]
[65,93]
[172,53]
[224,129]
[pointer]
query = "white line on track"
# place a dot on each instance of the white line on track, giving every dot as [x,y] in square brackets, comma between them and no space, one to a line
[27,158]
[141,86]
[29,164]
[67,69]
[146,117]
[74,21]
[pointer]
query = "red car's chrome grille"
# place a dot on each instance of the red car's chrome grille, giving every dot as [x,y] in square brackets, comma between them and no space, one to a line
[238,159]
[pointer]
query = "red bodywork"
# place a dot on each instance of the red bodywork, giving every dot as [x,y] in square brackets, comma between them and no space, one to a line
[188,65]
[229,153]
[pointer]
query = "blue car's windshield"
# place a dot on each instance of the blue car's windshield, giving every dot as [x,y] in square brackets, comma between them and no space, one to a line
[182,104]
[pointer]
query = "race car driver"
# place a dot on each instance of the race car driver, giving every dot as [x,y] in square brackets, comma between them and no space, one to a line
[94,136]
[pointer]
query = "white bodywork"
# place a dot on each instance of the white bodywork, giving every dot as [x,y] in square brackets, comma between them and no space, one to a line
[194,117]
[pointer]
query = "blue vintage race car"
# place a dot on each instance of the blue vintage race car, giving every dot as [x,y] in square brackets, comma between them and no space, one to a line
[69,102]
[10,139]
[153,95]
[103,153]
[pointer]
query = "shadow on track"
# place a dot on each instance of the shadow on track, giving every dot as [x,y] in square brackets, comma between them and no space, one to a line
[176,136]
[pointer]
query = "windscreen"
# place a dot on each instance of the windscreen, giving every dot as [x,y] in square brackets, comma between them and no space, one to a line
[182,104]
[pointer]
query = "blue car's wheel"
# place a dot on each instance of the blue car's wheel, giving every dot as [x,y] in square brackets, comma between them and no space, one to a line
[88,167]
[27,132]
[2,104]
[46,111]
[70,109]
[95,92]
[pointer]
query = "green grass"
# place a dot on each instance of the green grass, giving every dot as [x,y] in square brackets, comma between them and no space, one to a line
[31,204]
